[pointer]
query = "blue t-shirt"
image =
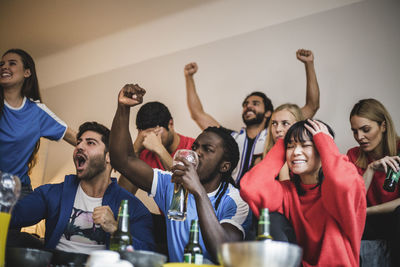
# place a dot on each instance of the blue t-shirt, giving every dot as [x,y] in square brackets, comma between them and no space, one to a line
[232,209]
[20,129]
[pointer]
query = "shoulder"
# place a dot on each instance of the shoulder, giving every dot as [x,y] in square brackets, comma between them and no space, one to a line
[353,153]
[232,197]
[186,141]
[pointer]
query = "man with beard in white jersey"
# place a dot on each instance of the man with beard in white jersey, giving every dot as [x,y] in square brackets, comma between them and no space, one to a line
[257,110]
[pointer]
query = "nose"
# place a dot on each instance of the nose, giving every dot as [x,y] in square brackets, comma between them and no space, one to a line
[297,150]
[358,135]
[279,128]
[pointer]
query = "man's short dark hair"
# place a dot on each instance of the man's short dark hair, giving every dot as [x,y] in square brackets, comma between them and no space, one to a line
[95,127]
[153,114]
[267,102]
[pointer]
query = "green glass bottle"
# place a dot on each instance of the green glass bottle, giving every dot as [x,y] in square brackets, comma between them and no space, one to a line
[193,252]
[392,178]
[121,239]
[263,226]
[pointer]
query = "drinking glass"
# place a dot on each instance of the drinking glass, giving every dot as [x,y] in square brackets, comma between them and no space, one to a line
[177,209]
[10,188]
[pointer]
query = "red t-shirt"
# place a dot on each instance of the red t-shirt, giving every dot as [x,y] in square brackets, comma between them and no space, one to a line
[376,194]
[153,161]
[328,220]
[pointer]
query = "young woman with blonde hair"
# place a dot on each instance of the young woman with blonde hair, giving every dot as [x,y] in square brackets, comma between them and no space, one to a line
[379,144]
[282,118]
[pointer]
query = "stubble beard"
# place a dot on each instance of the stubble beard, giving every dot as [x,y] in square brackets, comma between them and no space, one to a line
[96,165]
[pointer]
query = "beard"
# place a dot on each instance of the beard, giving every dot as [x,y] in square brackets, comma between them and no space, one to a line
[96,165]
[257,120]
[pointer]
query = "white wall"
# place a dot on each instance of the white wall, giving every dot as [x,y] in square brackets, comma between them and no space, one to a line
[355,46]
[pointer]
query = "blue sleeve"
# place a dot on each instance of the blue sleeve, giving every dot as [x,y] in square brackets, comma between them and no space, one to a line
[162,189]
[141,226]
[51,126]
[31,209]
[234,210]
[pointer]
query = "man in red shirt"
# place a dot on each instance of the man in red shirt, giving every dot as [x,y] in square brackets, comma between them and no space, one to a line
[157,140]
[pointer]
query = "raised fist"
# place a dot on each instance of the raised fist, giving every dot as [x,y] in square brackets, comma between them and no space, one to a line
[131,95]
[304,55]
[190,69]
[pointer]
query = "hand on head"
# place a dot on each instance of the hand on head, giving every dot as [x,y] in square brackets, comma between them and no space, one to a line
[190,69]
[131,95]
[317,127]
[152,140]
[305,56]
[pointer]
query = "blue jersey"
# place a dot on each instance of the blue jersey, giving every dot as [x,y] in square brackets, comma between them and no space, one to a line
[20,129]
[232,209]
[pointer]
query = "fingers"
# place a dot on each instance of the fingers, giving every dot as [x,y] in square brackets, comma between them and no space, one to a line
[191,68]
[304,55]
[131,94]
[317,127]
[392,163]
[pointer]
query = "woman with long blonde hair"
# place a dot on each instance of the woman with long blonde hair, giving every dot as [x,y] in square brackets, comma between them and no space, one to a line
[379,144]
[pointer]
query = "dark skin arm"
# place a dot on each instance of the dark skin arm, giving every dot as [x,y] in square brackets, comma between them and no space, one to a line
[213,233]
[122,154]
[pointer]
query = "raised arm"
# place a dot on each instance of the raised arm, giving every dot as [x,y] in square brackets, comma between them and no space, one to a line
[197,113]
[122,154]
[258,186]
[312,94]
[70,136]
[342,190]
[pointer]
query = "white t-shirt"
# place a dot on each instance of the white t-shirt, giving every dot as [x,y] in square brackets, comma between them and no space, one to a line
[81,234]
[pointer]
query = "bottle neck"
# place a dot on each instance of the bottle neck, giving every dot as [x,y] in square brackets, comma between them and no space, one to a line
[194,234]
[123,218]
[263,224]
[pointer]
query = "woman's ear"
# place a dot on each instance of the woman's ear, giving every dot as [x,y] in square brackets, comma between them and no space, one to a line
[383,126]
[27,73]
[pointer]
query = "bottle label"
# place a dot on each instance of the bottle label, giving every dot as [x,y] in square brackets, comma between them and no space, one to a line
[198,259]
[187,258]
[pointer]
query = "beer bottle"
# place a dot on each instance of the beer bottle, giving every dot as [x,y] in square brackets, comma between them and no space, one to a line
[121,239]
[392,178]
[193,252]
[263,226]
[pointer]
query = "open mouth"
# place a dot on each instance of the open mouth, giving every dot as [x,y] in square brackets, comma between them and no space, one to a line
[80,161]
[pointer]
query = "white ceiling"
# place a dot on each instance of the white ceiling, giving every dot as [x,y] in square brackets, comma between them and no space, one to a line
[45,27]
[110,34]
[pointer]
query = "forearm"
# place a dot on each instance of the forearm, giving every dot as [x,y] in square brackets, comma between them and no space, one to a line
[70,136]
[165,158]
[212,231]
[259,183]
[196,110]
[368,176]
[384,207]
[122,156]
[312,92]
[120,139]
